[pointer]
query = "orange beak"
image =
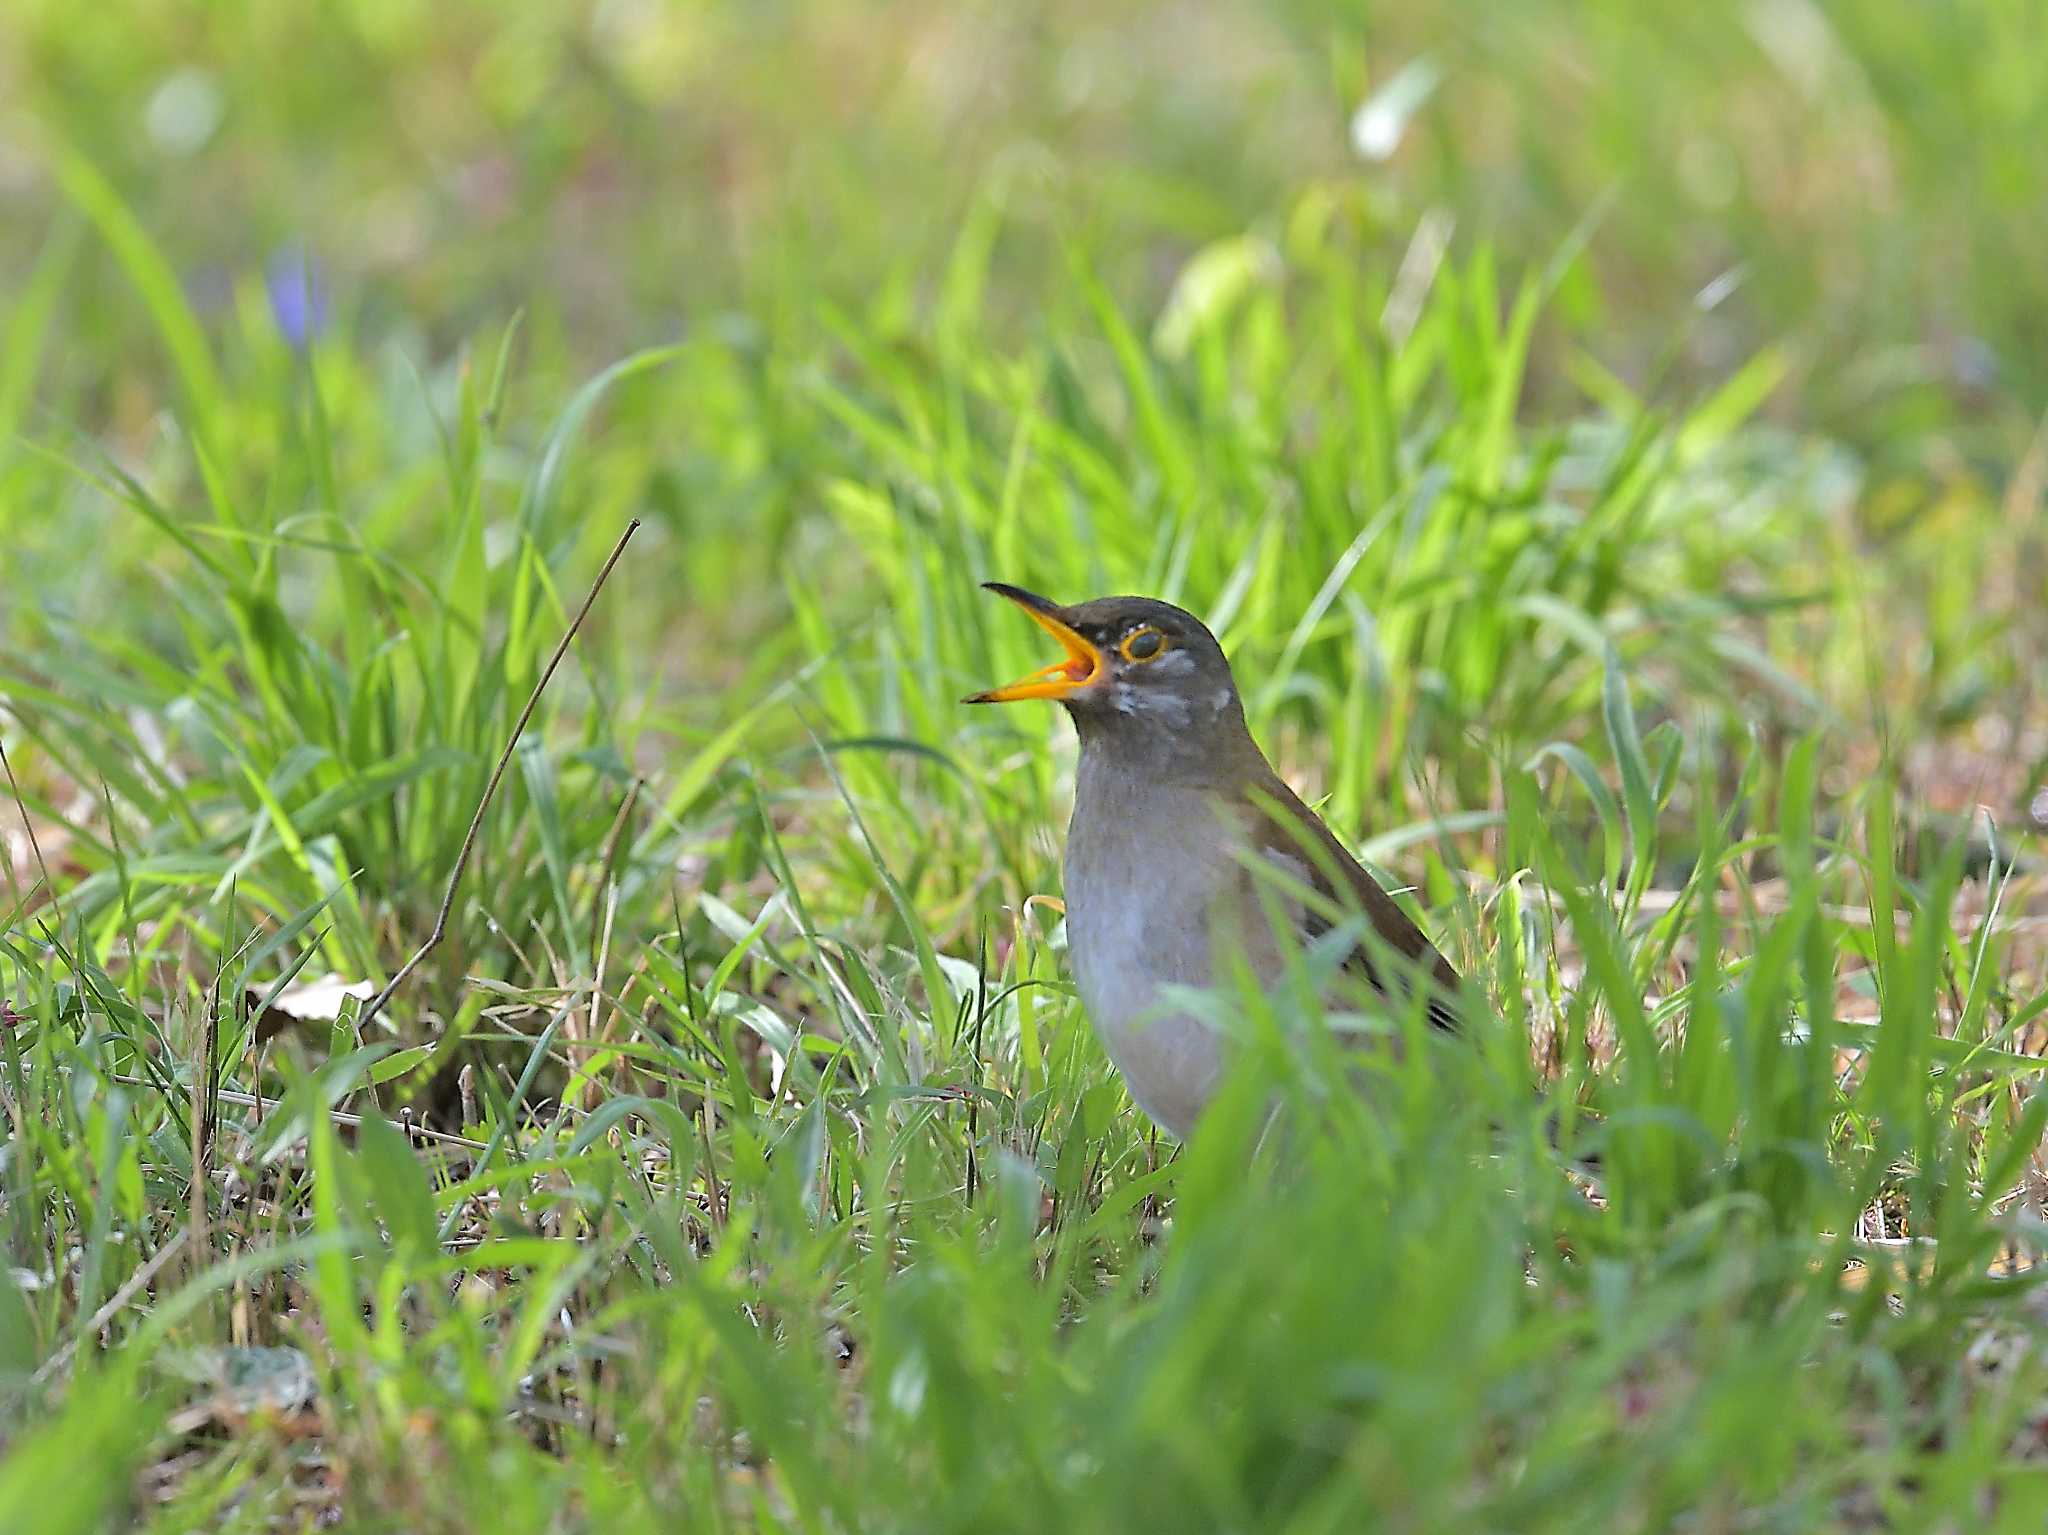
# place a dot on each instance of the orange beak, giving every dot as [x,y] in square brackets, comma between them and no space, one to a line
[1082,665]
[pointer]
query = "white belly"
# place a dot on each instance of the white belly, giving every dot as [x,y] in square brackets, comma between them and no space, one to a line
[1170,1060]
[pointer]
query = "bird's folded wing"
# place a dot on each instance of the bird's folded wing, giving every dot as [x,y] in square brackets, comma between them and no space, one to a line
[1281,828]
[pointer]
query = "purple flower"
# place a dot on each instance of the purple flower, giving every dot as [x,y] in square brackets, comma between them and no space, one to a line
[298,295]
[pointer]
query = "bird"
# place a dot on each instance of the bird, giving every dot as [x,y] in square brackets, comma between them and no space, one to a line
[1183,840]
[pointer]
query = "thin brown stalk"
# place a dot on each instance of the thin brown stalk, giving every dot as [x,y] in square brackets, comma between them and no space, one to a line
[134,1286]
[338,1116]
[483,805]
[28,825]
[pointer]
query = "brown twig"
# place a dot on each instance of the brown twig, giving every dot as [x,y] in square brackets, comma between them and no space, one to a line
[204,1106]
[27,825]
[342,1117]
[133,1286]
[476,822]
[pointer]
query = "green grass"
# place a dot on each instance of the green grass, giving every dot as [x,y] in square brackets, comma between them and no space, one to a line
[742,1160]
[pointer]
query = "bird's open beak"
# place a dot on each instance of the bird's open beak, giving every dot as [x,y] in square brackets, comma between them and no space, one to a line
[1082,665]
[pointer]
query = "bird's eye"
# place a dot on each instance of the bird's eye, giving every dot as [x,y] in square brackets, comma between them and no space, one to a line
[1142,644]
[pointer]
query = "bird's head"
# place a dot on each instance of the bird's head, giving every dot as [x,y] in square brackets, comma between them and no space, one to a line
[1132,664]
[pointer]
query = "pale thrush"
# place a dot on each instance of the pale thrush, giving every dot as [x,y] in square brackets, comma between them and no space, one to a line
[1184,839]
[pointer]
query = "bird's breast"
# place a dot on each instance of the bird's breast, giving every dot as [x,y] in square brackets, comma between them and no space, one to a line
[1142,886]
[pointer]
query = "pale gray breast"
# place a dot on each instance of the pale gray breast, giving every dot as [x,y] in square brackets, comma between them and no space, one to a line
[1149,878]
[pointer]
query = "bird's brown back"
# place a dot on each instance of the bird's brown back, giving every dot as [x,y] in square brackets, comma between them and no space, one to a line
[1280,824]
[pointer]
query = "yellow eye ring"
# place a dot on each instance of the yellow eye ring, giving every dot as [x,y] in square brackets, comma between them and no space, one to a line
[1143,644]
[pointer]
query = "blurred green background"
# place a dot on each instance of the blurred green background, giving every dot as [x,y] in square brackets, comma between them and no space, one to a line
[1854,189]
[1870,172]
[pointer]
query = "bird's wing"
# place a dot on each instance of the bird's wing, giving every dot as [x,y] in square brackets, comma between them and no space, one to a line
[1281,828]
